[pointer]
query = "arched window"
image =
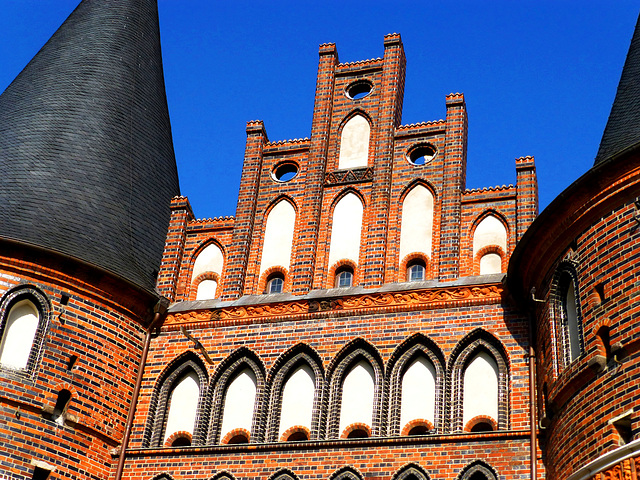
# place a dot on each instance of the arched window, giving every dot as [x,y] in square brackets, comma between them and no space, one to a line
[354,143]
[344,277]
[208,264]
[18,334]
[183,406]
[480,395]
[416,231]
[477,470]
[358,390]
[346,230]
[418,402]
[416,270]
[23,324]
[238,408]
[416,387]
[480,380]
[346,473]
[284,474]
[489,241]
[278,237]
[296,412]
[568,311]
[411,472]
[275,283]
[177,403]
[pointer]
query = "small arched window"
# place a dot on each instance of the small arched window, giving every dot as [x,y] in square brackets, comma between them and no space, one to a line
[568,306]
[275,283]
[416,270]
[18,334]
[344,277]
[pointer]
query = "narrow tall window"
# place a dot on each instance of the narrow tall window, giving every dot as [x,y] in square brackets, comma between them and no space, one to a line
[357,396]
[570,316]
[183,405]
[18,335]
[278,237]
[297,400]
[490,232]
[239,404]
[416,229]
[210,260]
[346,230]
[480,395]
[418,393]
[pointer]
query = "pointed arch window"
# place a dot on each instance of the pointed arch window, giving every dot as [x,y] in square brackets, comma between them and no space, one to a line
[278,237]
[568,311]
[346,230]
[358,389]
[418,400]
[480,394]
[22,326]
[182,409]
[296,412]
[416,230]
[238,407]
[354,143]
[207,269]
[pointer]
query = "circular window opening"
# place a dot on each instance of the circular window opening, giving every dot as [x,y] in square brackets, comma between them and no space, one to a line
[421,154]
[359,90]
[285,172]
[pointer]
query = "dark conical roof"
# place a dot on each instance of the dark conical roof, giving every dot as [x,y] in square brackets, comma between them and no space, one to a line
[622,132]
[87,166]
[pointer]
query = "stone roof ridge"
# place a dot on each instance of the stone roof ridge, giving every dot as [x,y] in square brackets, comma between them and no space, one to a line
[361,62]
[420,124]
[489,189]
[284,142]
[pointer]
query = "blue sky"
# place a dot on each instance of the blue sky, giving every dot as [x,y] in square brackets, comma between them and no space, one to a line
[539,77]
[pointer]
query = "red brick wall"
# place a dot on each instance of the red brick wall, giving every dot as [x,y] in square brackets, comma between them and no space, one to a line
[101,326]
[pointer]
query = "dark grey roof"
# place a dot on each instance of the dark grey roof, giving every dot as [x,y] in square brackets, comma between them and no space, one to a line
[622,132]
[87,166]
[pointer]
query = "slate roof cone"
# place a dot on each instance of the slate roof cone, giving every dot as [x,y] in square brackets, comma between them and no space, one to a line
[622,133]
[87,166]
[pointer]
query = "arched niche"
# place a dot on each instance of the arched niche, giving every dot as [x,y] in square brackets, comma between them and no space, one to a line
[346,229]
[278,236]
[354,143]
[416,230]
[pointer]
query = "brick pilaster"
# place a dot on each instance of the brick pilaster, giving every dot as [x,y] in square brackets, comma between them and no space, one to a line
[375,239]
[238,253]
[167,281]
[306,245]
[527,194]
[454,180]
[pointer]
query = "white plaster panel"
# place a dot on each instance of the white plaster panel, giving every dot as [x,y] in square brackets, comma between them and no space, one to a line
[297,399]
[354,143]
[357,396]
[572,321]
[239,402]
[416,231]
[346,229]
[209,260]
[19,333]
[480,396]
[490,231]
[418,392]
[278,236]
[490,263]
[183,405]
[206,289]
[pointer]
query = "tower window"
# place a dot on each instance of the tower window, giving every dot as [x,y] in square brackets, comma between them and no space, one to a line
[416,271]
[275,284]
[344,277]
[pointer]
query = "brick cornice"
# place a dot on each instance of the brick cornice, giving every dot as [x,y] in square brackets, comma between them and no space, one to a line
[373,303]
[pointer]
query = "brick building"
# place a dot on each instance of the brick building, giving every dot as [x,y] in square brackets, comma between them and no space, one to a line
[353,320]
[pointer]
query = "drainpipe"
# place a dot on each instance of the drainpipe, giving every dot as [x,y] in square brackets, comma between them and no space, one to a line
[159,311]
[533,452]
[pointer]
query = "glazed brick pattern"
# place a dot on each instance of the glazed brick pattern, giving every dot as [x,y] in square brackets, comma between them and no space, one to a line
[388,179]
[329,340]
[101,326]
[580,400]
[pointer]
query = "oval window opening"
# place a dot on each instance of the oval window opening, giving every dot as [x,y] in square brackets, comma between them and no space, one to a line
[359,90]
[285,172]
[421,155]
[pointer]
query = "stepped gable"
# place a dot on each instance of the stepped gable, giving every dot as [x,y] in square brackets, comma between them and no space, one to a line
[87,166]
[622,132]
